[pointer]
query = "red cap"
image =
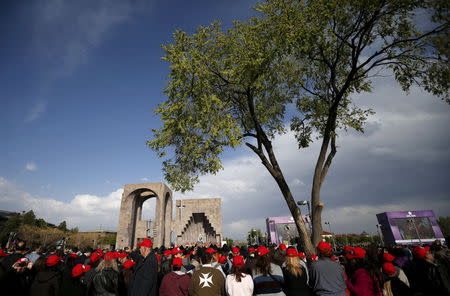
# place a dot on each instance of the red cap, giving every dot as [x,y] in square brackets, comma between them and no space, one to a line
[95,256]
[388,268]
[23,260]
[210,251]
[324,247]
[388,257]
[73,255]
[53,260]
[177,261]
[79,269]
[314,257]
[128,264]
[251,250]
[348,249]
[146,242]
[262,250]
[301,255]
[282,247]
[356,253]
[2,253]
[109,256]
[235,250]
[238,261]
[123,255]
[291,252]
[222,259]
[167,253]
[421,252]
[176,250]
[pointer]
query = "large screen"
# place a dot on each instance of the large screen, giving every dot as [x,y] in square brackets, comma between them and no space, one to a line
[286,232]
[415,228]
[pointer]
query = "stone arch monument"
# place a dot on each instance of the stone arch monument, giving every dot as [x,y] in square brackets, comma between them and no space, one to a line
[197,220]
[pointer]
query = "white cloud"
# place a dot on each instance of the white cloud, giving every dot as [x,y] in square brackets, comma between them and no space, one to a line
[145,179]
[31,166]
[36,111]
[86,211]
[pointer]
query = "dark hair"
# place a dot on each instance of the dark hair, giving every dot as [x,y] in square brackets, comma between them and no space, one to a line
[206,257]
[262,265]
[127,274]
[39,264]
[176,267]
[238,273]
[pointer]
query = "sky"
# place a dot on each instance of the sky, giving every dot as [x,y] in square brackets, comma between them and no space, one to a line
[79,80]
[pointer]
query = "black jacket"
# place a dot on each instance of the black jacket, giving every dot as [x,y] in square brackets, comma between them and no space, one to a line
[295,285]
[104,283]
[145,277]
[46,283]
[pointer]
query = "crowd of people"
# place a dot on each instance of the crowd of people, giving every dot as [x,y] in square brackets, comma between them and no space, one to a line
[210,270]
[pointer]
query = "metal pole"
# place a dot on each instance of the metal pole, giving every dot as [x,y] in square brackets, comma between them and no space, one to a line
[417,231]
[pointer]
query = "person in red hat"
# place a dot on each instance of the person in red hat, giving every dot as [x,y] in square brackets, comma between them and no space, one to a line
[295,275]
[145,276]
[106,278]
[175,283]
[235,251]
[47,280]
[267,276]
[71,283]
[326,276]
[209,279]
[239,283]
[367,278]
[392,284]
[126,276]
[425,275]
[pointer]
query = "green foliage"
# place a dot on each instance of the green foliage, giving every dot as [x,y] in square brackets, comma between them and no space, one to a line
[63,226]
[229,241]
[29,218]
[254,236]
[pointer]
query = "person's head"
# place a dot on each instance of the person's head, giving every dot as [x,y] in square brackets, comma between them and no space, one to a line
[177,252]
[176,263]
[238,267]
[206,257]
[235,251]
[324,249]
[293,262]
[262,264]
[145,247]
[423,253]
[107,263]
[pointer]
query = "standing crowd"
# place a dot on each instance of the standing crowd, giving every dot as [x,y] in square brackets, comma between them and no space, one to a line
[202,270]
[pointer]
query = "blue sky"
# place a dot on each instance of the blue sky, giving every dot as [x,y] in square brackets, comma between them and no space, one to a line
[79,80]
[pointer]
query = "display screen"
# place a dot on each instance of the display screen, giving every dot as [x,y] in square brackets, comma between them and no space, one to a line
[286,232]
[414,228]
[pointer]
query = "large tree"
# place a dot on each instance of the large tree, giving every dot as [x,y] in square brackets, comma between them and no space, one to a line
[232,87]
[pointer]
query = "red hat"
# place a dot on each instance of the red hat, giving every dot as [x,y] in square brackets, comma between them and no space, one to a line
[291,252]
[79,269]
[389,268]
[282,247]
[301,255]
[73,255]
[324,247]
[235,250]
[53,260]
[177,261]
[23,260]
[314,257]
[251,250]
[146,242]
[348,249]
[123,255]
[176,250]
[95,256]
[210,251]
[388,257]
[262,250]
[2,253]
[167,253]
[128,264]
[356,253]
[222,259]
[238,261]
[109,256]
[421,252]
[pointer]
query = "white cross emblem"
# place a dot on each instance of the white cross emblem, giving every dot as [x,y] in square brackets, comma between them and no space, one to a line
[206,280]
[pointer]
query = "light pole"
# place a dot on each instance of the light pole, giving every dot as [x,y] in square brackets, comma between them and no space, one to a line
[303,203]
[331,232]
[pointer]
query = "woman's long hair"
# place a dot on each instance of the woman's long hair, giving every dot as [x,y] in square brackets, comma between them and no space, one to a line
[262,265]
[293,266]
[107,264]
[238,273]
